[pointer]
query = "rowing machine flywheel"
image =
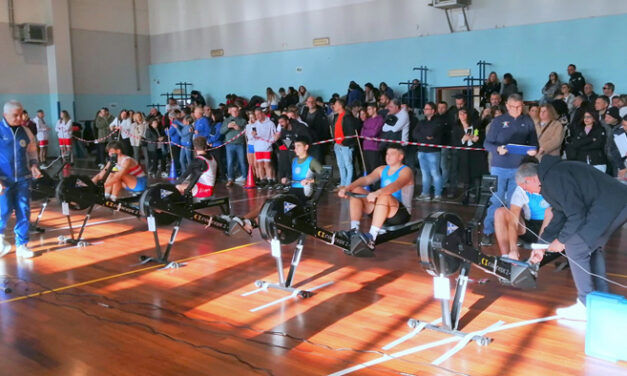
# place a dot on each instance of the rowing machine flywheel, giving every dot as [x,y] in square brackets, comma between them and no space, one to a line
[78,191]
[155,196]
[276,218]
[440,230]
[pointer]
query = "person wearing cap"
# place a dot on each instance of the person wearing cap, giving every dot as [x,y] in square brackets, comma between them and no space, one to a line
[616,161]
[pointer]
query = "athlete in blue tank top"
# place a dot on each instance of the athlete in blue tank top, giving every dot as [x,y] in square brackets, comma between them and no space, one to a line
[304,170]
[525,219]
[390,205]
[387,179]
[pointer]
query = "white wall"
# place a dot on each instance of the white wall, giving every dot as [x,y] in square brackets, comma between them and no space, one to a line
[111,16]
[33,11]
[188,29]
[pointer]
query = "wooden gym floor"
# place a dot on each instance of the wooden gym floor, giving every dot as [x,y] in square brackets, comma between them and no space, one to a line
[91,311]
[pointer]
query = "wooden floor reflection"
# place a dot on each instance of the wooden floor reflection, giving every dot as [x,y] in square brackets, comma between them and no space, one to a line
[94,311]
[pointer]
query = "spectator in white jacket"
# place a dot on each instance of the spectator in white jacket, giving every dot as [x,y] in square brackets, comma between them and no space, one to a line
[64,134]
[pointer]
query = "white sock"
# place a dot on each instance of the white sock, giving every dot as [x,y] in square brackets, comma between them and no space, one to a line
[107,195]
[374,231]
[113,198]
[354,225]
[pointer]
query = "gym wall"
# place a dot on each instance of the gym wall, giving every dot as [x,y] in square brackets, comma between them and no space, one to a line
[269,43]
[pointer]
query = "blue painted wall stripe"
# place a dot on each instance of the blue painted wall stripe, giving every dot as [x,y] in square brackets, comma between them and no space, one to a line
[529,52]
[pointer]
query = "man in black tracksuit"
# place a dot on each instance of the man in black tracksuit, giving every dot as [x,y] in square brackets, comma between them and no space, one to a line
[588,206]
[576,81]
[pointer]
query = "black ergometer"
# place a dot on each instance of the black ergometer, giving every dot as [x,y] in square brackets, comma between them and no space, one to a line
[445,245]
[165,199]
[79,192]
[44,189]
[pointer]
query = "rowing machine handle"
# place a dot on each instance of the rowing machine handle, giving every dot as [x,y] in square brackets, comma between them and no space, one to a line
[356,195]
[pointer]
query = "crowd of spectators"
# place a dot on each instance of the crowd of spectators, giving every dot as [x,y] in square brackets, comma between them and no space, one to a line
[567,118]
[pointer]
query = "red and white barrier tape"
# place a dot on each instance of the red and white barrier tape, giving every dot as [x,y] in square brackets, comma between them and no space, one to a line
[336,139]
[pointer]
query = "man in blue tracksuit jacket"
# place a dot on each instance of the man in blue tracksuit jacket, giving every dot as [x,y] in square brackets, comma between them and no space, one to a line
[18,162]
[202,124]
[511,128]
[174,133]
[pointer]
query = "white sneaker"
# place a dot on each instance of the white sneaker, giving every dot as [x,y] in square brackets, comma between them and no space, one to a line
[4,246]
[24,251]
[240,180]
[576,311]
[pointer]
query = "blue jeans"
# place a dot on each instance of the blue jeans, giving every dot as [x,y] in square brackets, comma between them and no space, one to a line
[235,153]
[16,196]
[430,170]
[344,157]
[445,165]
[186,157]
[506,184]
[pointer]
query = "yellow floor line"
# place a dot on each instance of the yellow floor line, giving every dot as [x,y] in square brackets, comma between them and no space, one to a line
[617,275]
[402,242]
[120,275]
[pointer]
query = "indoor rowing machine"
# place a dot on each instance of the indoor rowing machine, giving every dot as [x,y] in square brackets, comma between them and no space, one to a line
[284,220]
[44,189]
[165,199]
[79,192]
[445,246]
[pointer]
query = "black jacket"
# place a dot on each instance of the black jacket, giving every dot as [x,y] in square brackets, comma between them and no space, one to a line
[585,201]
[152,137]
[302,130]
[318,124]
[588,148]
[577,82]
[349,126]
[486,91]
[429,132]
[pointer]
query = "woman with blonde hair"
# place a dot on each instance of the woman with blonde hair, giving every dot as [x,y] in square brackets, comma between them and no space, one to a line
[491,85]
[138,128]
[550,132]
[272,99]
